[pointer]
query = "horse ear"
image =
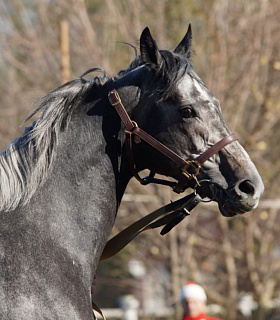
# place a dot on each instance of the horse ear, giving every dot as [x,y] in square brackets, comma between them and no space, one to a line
[149,51]
[185,46]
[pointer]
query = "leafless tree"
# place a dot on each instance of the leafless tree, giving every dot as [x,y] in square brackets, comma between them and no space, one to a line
[237,54]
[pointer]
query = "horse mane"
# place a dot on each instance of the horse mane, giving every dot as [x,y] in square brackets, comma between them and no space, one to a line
[25,163]
[166,79]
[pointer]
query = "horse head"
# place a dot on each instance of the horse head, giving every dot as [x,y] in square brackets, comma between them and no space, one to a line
[173,105]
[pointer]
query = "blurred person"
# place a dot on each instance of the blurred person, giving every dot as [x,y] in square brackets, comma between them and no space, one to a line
[193,299]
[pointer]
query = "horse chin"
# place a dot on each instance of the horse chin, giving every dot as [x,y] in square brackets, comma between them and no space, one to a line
[228,211]
[230,205]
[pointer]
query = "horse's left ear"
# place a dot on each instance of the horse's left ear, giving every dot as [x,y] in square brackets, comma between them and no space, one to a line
[185,46]
[149,51]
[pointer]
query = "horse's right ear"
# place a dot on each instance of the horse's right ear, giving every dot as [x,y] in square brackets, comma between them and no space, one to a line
[185,46]
[149,51]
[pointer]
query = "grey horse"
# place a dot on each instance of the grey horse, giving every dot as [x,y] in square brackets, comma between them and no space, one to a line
[63,179]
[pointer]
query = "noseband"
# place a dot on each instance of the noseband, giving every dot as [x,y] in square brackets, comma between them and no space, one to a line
[189,169]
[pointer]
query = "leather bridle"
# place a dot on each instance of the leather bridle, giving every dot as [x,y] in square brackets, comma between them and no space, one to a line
[189,168]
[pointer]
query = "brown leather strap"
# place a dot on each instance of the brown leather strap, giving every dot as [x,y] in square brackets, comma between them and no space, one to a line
[116,102]
[160,147]
[216,148]
[130,158]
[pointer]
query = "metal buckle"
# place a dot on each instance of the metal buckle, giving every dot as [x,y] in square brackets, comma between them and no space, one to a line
[193,165]
[135,124]
[116,95]
[198,184]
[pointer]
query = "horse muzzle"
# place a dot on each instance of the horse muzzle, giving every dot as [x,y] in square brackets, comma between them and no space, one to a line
[243,197]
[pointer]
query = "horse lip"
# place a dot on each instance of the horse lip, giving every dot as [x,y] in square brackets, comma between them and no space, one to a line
[233,205]
[229,204]
[227,212]
[220,193]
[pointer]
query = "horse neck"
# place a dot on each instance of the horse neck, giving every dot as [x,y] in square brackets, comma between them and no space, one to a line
[58,236]
[79,200]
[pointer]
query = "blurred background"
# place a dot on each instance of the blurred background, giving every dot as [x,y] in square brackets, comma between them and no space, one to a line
[237,55]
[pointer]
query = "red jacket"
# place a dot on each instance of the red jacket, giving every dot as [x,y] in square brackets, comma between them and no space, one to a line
[202,316]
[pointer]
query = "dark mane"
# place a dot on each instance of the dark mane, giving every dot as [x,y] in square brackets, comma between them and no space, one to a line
[171,72]
[166,79]
[25,163]
[20,176]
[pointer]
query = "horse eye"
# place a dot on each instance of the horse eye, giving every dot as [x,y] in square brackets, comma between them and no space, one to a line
[187,111]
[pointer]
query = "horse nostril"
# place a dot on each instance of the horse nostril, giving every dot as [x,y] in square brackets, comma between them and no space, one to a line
[247,187]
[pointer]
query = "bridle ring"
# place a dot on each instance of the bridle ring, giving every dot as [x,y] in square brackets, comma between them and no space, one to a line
[210,182]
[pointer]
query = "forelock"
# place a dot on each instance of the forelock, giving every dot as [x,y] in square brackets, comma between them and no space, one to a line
[191,88]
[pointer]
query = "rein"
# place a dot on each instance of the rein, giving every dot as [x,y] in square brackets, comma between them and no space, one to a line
[172,213]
